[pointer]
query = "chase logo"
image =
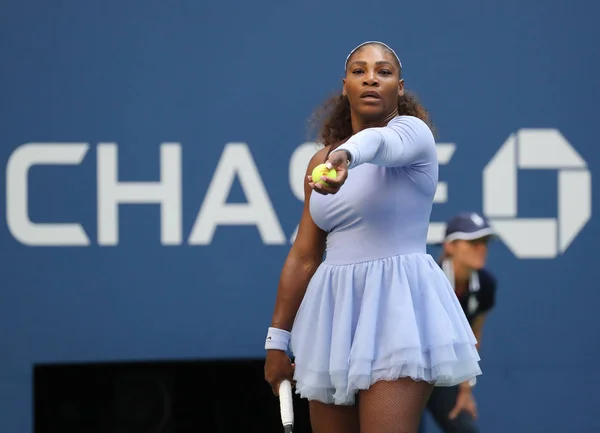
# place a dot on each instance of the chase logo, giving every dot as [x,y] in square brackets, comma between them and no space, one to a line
[527,238]
[537,149]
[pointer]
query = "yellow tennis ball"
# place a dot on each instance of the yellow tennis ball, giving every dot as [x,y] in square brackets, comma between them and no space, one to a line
[322,170]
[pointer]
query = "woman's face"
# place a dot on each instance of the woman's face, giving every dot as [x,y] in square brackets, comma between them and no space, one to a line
[471,254]
[372,82]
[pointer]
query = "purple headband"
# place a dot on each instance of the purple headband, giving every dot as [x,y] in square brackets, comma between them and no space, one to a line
[372,42]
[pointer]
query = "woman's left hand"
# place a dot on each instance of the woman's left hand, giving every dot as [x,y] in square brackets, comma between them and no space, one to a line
[339,161]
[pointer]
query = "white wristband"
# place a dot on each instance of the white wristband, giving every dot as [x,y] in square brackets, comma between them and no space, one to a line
[278,339]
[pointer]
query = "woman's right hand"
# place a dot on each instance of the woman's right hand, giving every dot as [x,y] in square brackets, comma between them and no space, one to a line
[339,161]
[278,367]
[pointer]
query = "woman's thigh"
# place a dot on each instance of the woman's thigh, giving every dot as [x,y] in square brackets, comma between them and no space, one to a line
[393,406]
[328,418]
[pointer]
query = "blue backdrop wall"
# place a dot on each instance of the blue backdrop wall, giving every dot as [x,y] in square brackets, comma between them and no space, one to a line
[154,154]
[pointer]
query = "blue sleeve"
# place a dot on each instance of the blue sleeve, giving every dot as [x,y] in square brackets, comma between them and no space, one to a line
[405,141]
[487,292]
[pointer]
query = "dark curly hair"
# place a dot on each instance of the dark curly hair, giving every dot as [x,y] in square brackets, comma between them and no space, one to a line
[332,118]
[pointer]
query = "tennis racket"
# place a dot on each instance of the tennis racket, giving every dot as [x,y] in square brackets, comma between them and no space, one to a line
[286,405]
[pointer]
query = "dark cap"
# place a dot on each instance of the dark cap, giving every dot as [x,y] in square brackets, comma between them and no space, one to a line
[467,226]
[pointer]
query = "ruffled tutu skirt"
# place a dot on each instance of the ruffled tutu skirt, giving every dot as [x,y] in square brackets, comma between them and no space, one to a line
[380,320]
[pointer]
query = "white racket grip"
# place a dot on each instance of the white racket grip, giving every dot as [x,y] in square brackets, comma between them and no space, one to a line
[286,404]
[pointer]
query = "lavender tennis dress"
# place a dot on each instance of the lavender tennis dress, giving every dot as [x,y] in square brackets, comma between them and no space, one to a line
[379,307]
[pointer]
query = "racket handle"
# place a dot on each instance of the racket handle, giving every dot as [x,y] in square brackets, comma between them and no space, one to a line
[286,405]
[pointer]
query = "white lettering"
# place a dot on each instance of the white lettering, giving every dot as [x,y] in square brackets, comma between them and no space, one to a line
[298,166]
[526,237]
[166,192]
[236,160]
[17,194]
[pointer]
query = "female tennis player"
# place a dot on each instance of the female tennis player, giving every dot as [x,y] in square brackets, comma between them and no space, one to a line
[375,324]
[463,259]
